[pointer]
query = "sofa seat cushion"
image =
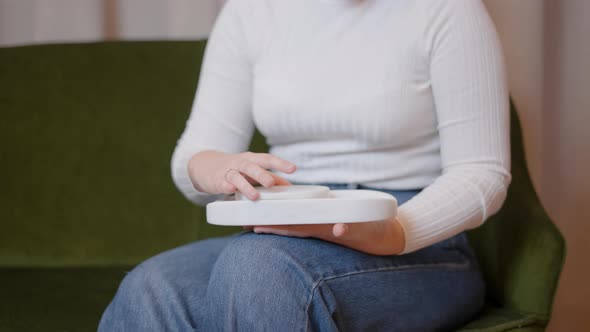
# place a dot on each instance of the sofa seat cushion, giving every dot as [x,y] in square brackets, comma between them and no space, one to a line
[495,319]
[73,299]
[56,299]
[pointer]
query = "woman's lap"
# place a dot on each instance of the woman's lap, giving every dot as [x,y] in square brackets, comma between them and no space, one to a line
[323,286]
[268,282]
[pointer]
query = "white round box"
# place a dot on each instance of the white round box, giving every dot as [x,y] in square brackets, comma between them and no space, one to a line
[296,205]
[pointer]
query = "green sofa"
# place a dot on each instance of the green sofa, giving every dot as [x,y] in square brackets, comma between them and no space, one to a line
[86,137]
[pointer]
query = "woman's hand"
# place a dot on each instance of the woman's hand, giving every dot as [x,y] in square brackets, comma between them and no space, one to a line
[377,238]
[221,173]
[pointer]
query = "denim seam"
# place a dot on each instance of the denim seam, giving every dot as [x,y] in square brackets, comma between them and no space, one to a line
[382,269]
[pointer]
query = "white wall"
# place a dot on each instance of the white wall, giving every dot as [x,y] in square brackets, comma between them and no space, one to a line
[39,21]
[48,21]
[157,19]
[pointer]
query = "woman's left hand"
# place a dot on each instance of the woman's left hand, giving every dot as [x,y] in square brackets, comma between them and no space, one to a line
[382,238]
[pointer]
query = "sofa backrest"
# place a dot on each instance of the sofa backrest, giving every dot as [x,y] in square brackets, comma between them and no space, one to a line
[86,136]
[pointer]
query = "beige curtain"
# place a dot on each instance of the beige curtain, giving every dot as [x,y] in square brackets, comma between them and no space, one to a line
[47,21]
[39,21]
[547,46]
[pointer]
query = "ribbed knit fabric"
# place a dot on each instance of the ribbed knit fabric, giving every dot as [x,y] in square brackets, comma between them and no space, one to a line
[395,94]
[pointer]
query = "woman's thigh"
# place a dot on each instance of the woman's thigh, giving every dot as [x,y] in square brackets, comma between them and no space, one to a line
[268,282]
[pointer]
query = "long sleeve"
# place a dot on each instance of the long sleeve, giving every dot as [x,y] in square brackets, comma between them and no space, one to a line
[221,116]
[472,107]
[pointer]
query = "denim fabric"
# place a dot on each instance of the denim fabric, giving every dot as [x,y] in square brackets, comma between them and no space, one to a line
[257,282]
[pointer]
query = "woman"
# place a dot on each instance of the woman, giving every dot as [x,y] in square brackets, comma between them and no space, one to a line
[404,96]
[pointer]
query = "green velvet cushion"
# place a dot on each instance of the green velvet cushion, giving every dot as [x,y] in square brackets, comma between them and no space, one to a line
[56,299]
[86,137]
[73,299]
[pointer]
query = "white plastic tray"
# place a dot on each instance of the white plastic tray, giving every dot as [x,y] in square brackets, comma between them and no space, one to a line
[295,205]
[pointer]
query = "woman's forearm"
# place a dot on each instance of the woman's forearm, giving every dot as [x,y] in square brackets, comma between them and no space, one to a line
[377,238]
[380,238]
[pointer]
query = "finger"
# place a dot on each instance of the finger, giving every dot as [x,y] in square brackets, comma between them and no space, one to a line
[225,187]
[279,180]
[285,231]
[319,231]
[257,173]
[269,161]
[235,177]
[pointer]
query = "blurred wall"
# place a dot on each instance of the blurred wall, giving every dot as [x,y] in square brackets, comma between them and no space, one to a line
[48,21]
[547,46]
[40,21]
[170,19]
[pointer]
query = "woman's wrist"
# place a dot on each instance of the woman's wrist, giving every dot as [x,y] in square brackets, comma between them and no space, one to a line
[391,241]
[398,240]
[191,166]
[382,238]
[195,160]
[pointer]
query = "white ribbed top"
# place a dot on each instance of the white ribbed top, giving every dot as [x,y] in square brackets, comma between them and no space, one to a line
[395,94]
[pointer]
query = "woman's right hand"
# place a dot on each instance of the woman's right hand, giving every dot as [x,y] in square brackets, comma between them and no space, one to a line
[216,172]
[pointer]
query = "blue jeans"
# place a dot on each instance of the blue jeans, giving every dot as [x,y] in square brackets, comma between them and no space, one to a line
[258,282]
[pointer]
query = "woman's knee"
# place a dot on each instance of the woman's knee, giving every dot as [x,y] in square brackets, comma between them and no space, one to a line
[181,267]
[259,274]
[166,290]
[121,314]
[139,299]
[147,284]
[259,261]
